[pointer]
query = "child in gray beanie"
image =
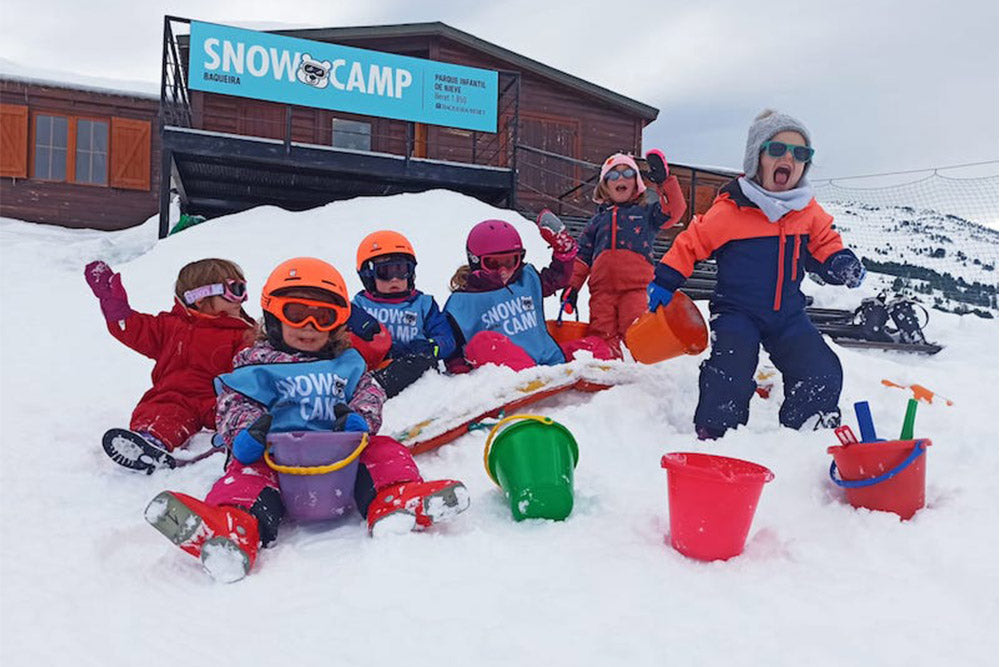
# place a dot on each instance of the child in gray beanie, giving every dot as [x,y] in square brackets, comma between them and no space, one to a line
[765,230]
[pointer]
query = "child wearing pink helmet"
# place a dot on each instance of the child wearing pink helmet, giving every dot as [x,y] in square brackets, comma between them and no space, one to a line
[496,305]
[616,246]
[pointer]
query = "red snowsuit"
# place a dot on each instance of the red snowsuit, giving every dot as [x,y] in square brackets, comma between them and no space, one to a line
[190,349]
[615,250]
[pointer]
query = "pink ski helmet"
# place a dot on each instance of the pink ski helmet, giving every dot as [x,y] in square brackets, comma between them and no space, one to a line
[491,237]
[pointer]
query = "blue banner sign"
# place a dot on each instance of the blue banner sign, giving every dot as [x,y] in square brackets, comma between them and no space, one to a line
[262,66]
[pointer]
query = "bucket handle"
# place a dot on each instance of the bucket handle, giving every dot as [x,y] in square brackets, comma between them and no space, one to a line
[489,439]
[918,449]
[316,470]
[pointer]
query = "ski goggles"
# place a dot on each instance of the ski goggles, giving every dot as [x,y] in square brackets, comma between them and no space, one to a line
[401,269]
[614,174]
[297,312]
[233,290]
[779,148]
[503,260]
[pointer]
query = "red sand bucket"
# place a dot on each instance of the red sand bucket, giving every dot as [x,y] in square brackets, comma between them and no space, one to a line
[712,501]
[316,471]
[884,476]
[670,332]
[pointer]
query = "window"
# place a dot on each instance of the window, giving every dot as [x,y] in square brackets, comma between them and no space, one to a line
[113,152]
[91,152]
[353,134]
[51,145]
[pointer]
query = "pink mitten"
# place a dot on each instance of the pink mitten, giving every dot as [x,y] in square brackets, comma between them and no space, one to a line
[107,287]
[556,235]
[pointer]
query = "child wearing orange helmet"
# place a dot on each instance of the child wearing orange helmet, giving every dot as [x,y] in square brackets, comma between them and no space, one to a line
[273,389]
[420,333]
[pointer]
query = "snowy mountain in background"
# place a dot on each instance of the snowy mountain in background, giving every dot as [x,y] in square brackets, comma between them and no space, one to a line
[941,260]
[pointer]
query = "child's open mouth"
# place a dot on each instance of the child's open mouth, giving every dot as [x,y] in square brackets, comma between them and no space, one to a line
[621,188]
[781,175]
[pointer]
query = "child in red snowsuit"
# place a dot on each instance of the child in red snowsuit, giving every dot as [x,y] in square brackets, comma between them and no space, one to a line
[274,388]
[617,244]
[191,344]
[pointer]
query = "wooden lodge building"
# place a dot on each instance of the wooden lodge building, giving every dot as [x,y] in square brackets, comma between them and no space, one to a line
[80,156]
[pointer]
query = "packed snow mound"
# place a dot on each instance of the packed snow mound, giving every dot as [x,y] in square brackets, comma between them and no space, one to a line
[83,573]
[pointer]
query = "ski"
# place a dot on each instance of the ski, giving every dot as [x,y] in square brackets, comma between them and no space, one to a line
[918,348]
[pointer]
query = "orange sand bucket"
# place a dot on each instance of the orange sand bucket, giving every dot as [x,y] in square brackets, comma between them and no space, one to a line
[670,332]
[566,332]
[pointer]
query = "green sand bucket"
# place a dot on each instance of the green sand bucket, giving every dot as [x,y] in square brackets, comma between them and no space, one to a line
[532,459]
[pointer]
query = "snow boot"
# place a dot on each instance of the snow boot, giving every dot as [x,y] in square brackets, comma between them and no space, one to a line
[904,316]
[137,450]
[223,537]
[400,508]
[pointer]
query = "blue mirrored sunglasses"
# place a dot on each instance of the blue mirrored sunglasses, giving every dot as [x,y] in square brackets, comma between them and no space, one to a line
[779,148]
[614,175]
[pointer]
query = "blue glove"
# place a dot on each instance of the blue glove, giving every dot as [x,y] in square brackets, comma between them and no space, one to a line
[847,269]
[658,296]
[248,445]
[348,420]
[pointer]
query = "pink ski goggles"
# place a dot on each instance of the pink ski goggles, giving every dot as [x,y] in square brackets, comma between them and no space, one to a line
[233,290]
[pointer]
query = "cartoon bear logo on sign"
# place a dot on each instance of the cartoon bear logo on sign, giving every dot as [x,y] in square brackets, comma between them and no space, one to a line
[314,73]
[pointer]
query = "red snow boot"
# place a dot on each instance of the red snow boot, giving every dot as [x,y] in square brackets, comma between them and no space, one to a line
[400,508]
[225,538]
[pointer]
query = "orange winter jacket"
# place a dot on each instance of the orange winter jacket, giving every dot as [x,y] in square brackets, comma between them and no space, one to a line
[760,263]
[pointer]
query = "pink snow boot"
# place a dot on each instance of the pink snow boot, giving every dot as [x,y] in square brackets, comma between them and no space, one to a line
[225,538]
[400,508]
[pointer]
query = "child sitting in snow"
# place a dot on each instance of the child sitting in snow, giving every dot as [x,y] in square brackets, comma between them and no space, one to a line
[305,303]
[496,306]
[765,231]
[191,344]
[420,333]
[617,244]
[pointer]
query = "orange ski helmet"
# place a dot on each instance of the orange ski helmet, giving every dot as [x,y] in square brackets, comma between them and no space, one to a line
[303,273]
[384,246]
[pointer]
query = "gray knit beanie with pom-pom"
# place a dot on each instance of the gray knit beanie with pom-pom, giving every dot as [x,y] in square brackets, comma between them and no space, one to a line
[767,124]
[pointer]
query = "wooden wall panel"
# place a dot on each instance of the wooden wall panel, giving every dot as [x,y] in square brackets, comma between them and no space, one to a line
[69,204]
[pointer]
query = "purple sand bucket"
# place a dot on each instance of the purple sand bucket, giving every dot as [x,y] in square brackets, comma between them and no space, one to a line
[316,471]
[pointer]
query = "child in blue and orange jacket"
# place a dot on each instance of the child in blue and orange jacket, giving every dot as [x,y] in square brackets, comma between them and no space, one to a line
[419,331]
[617,244]
[765,231]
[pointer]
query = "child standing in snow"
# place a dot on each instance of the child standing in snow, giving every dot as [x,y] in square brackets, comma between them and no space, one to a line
[496,306]
[191,344]
[616,246]
[420,333]
[305,303]
[765,230]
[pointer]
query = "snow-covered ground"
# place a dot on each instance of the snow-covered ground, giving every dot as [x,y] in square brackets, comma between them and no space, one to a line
[85,581]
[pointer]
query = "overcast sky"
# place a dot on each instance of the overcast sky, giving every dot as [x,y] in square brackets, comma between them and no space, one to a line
[882,85]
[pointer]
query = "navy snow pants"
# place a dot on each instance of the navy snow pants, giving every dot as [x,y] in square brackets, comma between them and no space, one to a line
[810,370]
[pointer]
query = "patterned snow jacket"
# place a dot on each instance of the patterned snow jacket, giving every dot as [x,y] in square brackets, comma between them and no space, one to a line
[760,263]
[190,349]
[235,411]
[616,247]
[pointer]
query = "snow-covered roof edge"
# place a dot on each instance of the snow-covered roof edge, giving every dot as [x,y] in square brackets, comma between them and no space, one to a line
[12,71]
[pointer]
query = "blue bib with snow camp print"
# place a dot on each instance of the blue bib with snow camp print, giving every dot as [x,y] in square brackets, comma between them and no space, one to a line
[299,396]
[515,310]
[405,320]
